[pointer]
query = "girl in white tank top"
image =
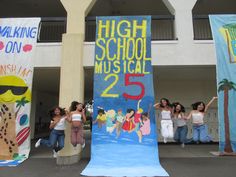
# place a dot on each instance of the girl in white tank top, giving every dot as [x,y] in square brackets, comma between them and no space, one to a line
[166,122]
[200,130]
[166,114]
[77,119]
[57,134]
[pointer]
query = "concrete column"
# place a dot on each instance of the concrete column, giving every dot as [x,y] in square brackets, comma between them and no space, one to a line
[182,9]
[76,12]
[72,72]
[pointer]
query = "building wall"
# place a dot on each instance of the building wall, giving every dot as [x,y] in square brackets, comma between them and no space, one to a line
[169,53]
[188,84]
[193,61]
[47,55]
[179,74]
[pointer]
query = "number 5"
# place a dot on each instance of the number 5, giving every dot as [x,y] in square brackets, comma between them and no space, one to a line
[139,84]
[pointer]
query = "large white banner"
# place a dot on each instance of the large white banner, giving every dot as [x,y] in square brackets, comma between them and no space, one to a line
[18,39]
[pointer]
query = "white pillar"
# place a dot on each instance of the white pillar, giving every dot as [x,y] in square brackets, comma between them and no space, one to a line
[182,9]
[72,72]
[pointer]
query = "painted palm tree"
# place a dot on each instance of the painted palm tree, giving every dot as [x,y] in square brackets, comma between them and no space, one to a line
[20,103]
[225,85]
[230,30]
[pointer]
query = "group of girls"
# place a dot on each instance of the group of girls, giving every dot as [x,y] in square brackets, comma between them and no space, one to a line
[75,116]
[174,114]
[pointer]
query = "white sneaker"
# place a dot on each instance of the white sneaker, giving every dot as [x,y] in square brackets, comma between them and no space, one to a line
[54,154]
[83,145]
[165,140]
[37,144]
[182,145]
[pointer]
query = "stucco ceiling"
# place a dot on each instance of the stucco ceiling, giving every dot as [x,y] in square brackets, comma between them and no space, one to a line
[205,7]
[31,8]
[54,8]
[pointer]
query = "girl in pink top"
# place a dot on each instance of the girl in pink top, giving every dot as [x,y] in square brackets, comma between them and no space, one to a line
[145,128]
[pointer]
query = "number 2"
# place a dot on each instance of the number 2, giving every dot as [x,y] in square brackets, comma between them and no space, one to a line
[105,92]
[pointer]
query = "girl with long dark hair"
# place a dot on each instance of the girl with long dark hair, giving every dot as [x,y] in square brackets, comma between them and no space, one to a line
[166,119]
[57,134]
[179,119]
[77,118]
[200,130]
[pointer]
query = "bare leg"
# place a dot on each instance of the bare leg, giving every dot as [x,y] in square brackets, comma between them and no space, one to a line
[139,133]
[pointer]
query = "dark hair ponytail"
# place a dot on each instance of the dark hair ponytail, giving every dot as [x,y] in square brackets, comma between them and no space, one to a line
[52,111]
[195,105]
[175,104]
[73,105]
[167,103]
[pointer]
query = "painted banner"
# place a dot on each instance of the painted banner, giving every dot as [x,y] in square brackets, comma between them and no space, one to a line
[17,44]
[124,139]
[224,34]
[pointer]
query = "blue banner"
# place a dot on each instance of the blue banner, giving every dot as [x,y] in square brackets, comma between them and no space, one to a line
[124,139]
[224,34]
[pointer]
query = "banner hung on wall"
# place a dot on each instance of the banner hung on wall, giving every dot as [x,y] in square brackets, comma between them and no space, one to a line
[124,139]
[224,33]
[18,38]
